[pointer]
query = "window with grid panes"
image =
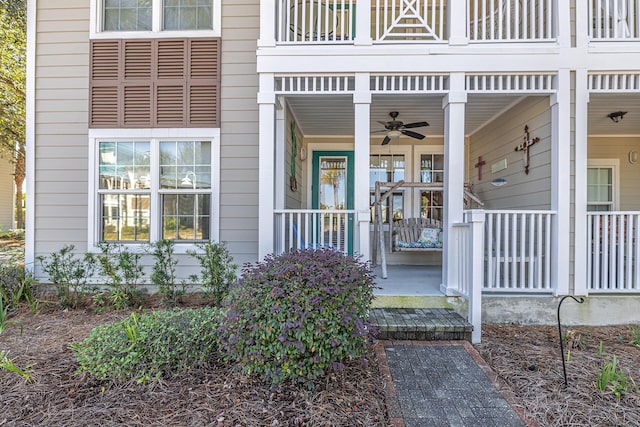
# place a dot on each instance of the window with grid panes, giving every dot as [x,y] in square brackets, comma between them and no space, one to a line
[387,168]
[431,171]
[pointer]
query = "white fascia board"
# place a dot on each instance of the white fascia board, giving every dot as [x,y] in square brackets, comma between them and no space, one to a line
[523,63]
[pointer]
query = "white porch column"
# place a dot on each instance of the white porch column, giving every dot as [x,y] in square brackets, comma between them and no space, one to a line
[454,112]
[267,23]
[560,182]
[457,22]
[581,245]
[582,24]
[266,153]
[363,23]
[280,153]
[361,107]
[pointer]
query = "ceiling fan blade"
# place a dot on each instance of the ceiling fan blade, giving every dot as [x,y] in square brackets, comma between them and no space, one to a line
[380,131]
[415,125]
[415,135]
[386,140]
[382,123]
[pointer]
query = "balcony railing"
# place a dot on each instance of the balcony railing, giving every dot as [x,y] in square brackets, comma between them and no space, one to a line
[511,20]
[614,20]
[426,21]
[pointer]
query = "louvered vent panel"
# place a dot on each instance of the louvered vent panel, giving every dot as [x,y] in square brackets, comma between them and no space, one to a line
[137,59]
[104,106]
[170,106]
[204,59]
[171,59]
[137,106]
[104,59]
[203,105]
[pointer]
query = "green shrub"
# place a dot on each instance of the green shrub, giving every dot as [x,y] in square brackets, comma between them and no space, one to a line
[151,345]
[164,272]
[297,315]
[69,274]
[122,273]
[217,269]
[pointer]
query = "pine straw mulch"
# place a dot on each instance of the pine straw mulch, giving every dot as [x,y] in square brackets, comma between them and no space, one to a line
[216,396]
[527,362]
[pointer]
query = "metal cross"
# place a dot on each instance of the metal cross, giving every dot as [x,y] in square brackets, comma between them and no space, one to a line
[479,166]
[526,143]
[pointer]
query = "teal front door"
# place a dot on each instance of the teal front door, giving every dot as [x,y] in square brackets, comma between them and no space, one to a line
[332,190]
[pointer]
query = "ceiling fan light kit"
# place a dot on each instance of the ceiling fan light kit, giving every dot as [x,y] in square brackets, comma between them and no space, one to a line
[393,129]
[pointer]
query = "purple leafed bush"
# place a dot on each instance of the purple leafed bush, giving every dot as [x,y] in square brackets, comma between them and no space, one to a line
[295,316]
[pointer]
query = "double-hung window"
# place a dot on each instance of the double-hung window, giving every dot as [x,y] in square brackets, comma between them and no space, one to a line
[157,15]
[152,189]
[602,184]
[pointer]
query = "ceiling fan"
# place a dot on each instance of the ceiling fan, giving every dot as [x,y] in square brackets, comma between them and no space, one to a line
[394,128]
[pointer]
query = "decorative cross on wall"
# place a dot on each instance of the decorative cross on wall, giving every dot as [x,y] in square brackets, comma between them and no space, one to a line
[479,166]
[526,143]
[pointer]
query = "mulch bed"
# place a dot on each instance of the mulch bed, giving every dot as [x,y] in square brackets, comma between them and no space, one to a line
[527,362]
[216,396]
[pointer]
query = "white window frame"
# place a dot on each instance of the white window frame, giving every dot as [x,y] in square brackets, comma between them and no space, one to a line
[96,31]
[417,152]
[614,165]
[397,150]
[154,136]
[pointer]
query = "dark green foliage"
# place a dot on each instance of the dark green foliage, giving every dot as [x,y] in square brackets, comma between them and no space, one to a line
[299,314]
[217,269]
[150,346]
[69,274]
[164,272]
[122,272]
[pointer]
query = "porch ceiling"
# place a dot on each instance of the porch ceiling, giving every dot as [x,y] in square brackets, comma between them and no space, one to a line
[601,104]
[324,115]
[333,115]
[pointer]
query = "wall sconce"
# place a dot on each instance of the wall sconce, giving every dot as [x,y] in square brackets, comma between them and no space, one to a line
[633,156]
[616,116]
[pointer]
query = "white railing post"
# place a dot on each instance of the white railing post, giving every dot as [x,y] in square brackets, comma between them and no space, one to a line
[457,22]
[268,20]
[363,23]
[476,277]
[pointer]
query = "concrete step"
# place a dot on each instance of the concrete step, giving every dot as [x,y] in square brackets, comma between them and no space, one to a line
[422,324]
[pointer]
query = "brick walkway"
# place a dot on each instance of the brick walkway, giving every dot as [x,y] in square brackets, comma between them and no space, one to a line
[441,383]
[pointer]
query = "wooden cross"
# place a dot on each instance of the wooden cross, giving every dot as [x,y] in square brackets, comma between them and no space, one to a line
[479,166]
[526,143]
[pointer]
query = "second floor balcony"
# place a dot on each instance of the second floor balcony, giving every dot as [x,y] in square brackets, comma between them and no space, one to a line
[448,21]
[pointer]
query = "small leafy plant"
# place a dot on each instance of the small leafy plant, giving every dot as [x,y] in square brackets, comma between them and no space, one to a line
[122,272]
[4,315]
[298,315]
[217,269]
[9,365]
[634,331]
[612,377]
[163,274]
[150,346]
[69,274]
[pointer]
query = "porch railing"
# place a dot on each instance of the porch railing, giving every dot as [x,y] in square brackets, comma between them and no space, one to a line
[613,263]
[518,251]
[313,229]
[511,20]
[315,21]
[409,20]
[613,20]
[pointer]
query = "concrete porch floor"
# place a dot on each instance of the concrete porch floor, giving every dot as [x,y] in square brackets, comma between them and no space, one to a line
[409,280]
